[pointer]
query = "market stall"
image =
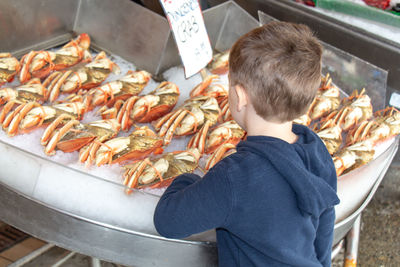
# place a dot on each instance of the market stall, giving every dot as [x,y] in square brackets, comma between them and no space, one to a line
[85,209]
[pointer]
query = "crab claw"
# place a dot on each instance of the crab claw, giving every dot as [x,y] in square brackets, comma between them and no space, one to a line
[139,144]
[52,126]
[219,154]
[83,41]
[6,109]
[199,139]
[160,172]
[132,175]
[199,89]
[9,67]
[13,127]
[51,145]
[26,61]
[219,63]
[123,116]
[111,113]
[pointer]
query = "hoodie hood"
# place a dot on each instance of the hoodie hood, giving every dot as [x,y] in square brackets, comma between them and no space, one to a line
[306,165]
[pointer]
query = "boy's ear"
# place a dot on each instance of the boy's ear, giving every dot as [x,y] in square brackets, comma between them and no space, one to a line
[242,98]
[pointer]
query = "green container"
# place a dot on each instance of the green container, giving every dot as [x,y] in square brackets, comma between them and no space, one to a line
[366,12]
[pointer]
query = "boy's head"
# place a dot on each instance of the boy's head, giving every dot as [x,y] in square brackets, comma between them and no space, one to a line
[279,67]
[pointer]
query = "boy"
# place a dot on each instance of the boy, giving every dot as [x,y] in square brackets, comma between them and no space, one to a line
[271,202]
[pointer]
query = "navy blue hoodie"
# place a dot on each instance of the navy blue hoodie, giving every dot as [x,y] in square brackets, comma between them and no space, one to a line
[272,203]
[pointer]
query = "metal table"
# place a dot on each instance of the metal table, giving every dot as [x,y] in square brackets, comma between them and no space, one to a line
[23,202]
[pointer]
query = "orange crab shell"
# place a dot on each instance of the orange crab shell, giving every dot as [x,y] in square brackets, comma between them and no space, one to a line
[158,184]
[154,113]
[157,149]
[221,152]
[74,145]
[40,70]
[146,112]
[233,141]
[10,77]
[140,165]
[132,151]
[81,43]
[220,63]
[221,70]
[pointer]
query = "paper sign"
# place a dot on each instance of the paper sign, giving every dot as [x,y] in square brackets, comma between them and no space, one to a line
[395,100]
[187,24]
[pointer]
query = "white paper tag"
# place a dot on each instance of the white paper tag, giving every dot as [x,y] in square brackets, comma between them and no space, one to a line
[187,24]
[395,100]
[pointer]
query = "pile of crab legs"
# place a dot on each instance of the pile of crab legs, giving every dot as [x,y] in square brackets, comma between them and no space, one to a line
[349,128]
[122,107]
[35,104]
[329,115]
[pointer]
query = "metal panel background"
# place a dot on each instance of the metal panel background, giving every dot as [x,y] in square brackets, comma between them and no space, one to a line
[225,23]
[213,19]
[126,29]
[237,23]
[363,44]
[44,24]
[216,16]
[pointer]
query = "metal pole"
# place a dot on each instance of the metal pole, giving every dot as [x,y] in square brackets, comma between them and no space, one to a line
[63,260]
[94,262]
[352,240]
[336,249]
[31,256]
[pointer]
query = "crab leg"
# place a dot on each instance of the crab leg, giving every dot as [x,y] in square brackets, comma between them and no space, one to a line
[52,126]
[199,89]
[51,78]
[169,134]
[218,155]
[202,137]
[84,153]
[199,140]
[113,112]
[129,172]
[88,153]
[51,145]
[225,112]
[157,124]
[166,126]
[361,132]
[132,182]
[24,75]
[126,112]
[13,127]
[54,91]
[6,109]
[11,116]
[35,121]
[106,157]
[92,151]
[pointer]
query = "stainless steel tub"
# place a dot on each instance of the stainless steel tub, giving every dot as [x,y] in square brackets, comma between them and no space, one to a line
[142,37]
[43,197]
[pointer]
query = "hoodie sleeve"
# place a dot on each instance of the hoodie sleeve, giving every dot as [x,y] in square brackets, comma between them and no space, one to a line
[324,237]
[192,205]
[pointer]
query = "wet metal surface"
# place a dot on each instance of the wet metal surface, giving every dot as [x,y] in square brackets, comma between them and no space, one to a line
[380,236]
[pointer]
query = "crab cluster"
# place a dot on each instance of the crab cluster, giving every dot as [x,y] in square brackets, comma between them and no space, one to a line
[348,127]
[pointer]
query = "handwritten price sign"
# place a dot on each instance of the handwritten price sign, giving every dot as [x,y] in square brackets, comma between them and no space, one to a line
[187,24]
